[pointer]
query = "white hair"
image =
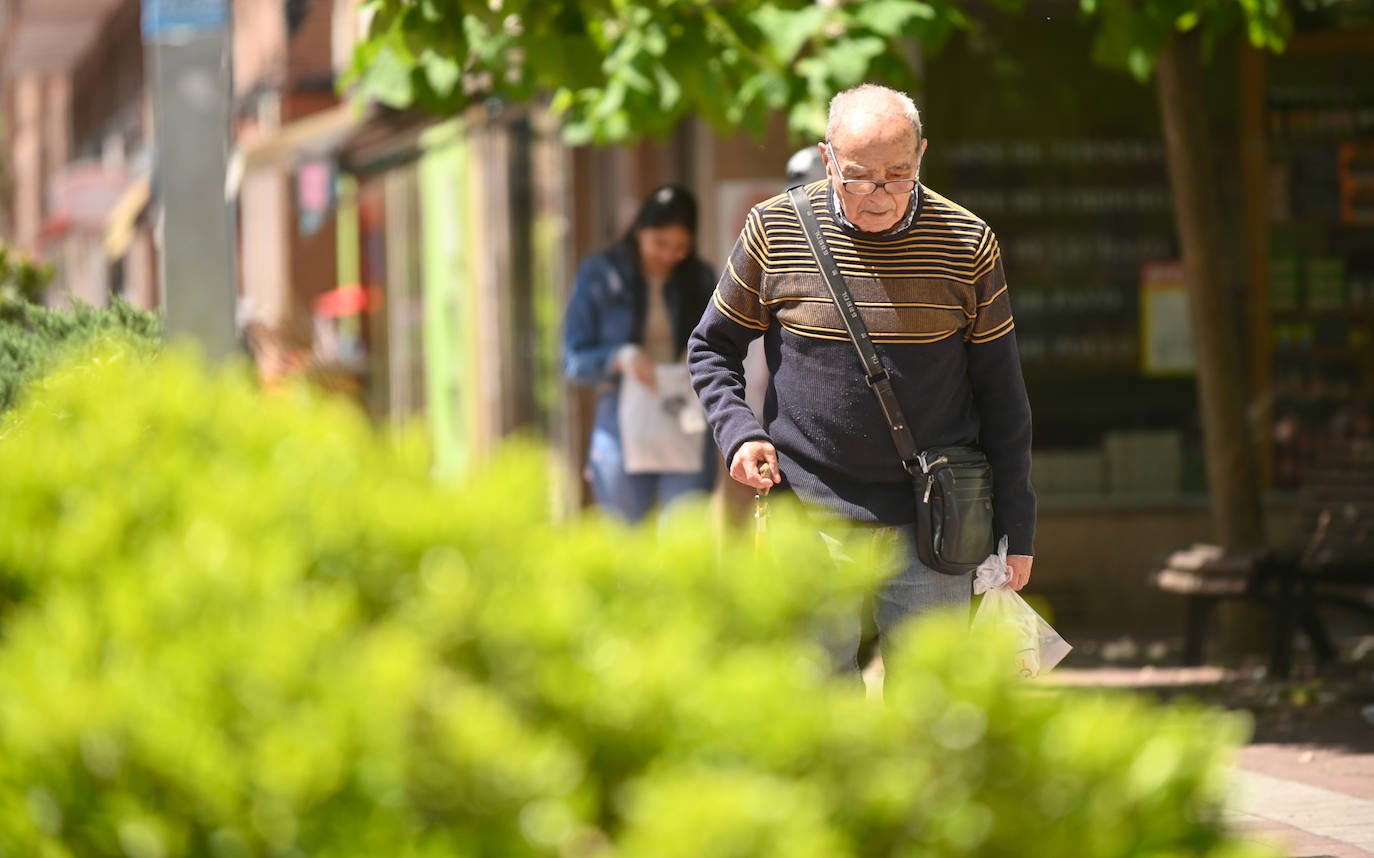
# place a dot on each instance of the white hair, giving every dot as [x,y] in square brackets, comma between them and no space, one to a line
[863,96]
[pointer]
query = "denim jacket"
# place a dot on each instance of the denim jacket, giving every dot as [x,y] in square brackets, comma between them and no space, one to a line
[606,310]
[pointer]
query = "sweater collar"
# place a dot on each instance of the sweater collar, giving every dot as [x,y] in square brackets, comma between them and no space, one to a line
[902,226]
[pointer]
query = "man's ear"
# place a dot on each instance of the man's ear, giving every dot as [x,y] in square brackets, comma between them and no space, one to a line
[921,149]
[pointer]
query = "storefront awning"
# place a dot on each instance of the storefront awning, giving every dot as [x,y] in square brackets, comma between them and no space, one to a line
[119,229]
[316,135]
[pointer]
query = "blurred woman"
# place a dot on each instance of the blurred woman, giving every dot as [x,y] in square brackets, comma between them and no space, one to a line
[632,308]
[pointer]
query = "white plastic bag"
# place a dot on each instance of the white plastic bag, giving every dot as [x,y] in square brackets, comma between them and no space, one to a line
[662,431]
[1039,647]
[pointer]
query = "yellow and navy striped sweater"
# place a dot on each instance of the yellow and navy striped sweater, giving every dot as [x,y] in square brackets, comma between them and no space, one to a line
[934,298]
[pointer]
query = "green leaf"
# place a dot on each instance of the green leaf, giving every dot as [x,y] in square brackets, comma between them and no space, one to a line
[387,79]
[442,73]
[578,132]
[669,90]
[1140,63]
[634,79]
[483,42]
[788,31]
[611,99]
[889,18]
[562,100]
[847,62]
[655,41]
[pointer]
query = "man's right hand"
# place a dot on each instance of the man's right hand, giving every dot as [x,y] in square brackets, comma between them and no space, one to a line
[749,458]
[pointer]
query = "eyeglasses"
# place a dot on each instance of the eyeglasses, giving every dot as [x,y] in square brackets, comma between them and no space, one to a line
[864,187]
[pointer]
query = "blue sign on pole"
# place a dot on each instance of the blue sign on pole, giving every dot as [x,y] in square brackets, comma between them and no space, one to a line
[169,17]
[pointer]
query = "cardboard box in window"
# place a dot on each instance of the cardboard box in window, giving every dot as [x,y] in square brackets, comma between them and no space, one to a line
[1143,463]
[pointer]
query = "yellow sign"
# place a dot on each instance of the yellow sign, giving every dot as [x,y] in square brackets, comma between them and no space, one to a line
[1166,331]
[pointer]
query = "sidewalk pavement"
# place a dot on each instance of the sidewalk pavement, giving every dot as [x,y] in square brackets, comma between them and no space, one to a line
[1306,779]
[1306,820]
[1312,789]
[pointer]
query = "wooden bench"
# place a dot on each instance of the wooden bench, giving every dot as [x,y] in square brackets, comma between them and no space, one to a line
[1332,567]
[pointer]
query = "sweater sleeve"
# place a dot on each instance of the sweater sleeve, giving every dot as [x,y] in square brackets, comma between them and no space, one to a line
[999,394]
[735,316]
[586,358]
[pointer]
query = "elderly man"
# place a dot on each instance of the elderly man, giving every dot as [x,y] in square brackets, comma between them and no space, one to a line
[927,277]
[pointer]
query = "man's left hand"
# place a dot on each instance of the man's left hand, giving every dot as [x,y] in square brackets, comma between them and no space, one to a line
[1020,565]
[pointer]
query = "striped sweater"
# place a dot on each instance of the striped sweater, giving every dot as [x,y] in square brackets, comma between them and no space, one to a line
[934,298]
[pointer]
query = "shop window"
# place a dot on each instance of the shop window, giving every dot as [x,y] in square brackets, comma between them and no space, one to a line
[1318,125]
[1064,160]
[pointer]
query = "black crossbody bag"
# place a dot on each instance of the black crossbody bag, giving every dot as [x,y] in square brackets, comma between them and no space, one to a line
[953,485]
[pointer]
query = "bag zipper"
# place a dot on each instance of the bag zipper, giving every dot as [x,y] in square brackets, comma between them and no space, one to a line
[926,466]
[930,478]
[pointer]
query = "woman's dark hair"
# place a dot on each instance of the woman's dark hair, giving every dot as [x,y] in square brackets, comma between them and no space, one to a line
[669,205]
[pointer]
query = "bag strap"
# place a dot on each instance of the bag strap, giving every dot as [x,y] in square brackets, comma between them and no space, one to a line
[874,373]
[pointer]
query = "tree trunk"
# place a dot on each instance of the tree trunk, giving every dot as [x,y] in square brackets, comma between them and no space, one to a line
[1232,476]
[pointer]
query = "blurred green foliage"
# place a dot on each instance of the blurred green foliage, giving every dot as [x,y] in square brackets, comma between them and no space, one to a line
[1131,36]
[243,624]
[21,279]
[616,72]
[33,338]
[619,71]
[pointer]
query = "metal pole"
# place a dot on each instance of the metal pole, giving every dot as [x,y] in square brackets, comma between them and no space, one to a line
[187,42]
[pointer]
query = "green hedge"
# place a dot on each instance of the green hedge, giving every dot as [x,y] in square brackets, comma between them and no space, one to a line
[34,338]
[21,279]
[245,625]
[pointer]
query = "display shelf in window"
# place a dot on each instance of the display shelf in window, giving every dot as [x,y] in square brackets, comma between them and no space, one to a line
[1356,177]
[1311,237]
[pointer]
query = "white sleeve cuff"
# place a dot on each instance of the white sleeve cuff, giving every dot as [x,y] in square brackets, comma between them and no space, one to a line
[621,357]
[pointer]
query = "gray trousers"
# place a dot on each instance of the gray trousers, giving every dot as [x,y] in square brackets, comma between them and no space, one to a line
[912,590]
